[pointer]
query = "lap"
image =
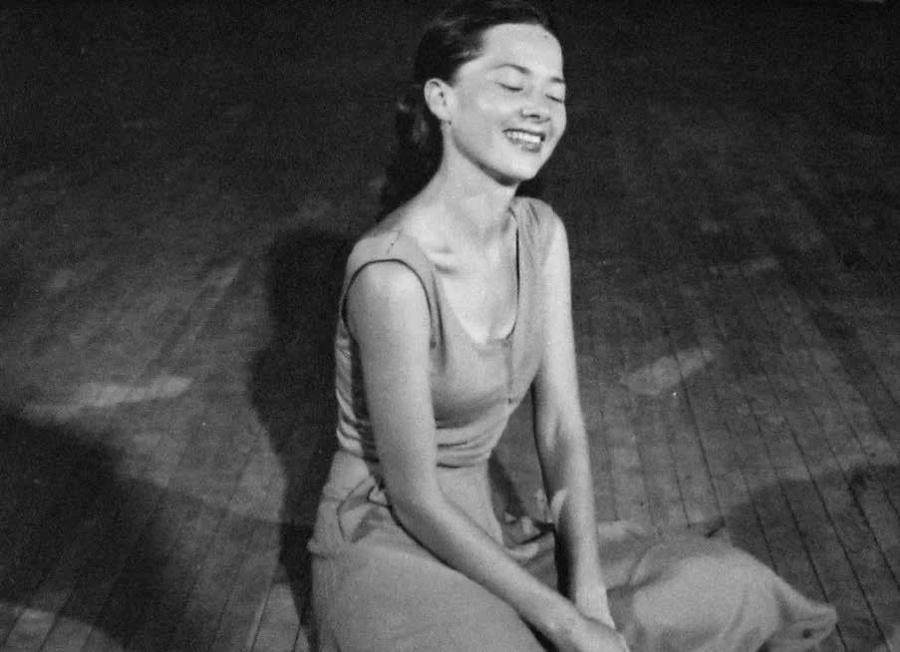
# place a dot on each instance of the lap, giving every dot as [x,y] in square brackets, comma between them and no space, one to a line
[685,594]
[376,598]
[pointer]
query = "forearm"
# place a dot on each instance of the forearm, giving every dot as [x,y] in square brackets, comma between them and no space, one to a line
[451,535]
[569,486]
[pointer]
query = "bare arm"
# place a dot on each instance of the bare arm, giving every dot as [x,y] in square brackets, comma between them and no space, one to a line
[387,312]
[562,439]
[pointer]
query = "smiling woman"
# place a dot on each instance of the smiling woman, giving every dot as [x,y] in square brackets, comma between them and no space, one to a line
[454,306]
[504,110]
[453,40]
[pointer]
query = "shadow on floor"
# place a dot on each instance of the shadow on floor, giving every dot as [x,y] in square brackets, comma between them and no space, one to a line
[78,544]
[292,383]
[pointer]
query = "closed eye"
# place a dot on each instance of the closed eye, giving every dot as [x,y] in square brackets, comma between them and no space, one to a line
[557,98]
[511,87]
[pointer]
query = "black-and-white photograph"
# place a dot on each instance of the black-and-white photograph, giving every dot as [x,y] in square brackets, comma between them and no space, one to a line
[450,326]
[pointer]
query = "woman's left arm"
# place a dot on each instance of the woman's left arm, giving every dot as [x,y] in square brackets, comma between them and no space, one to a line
[561,437]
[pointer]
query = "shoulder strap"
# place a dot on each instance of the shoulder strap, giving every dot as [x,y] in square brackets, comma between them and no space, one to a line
[535,222]
[392,246]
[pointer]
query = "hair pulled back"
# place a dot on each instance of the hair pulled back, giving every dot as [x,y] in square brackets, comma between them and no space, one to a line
[450,40]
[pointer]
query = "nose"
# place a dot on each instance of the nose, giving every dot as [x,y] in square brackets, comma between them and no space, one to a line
[536,107]
[535,110]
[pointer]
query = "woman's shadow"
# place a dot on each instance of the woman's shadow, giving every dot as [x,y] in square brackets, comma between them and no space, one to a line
[292,384]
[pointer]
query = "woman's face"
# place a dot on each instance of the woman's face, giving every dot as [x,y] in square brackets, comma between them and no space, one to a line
[506,108]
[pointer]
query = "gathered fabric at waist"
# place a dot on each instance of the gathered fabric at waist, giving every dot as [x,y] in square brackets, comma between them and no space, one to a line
[355,505]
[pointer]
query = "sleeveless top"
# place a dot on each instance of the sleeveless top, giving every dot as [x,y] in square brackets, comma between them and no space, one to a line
[475,386]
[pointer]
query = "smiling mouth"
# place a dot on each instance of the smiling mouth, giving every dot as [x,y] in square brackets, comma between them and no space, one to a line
[528,140]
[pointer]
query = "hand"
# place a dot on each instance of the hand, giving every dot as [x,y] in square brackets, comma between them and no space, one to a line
[589,635]
[592,602]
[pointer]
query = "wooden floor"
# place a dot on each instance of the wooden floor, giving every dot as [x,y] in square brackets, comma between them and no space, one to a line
[731,194]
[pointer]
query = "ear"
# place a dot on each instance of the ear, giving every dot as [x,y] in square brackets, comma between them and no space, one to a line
[438,97]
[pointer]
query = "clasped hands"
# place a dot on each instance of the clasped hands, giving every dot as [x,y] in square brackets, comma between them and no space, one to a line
[595,631]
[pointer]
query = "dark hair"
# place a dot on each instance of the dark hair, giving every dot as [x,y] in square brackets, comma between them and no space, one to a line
[451,39]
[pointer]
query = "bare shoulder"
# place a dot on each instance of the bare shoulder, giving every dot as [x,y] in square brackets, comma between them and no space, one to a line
[387,280]
[386,295]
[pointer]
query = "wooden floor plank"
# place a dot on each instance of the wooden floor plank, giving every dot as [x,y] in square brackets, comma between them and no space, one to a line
[694,474]
[843,344]
[714,455]
[203,574]
[595,388]
[630,491]
[138,586]
[815,420]
[88,570]
[197,624]
[36,613]
[731,461]
[212,501]
[176,579]
[59,490]
[111,343]
[807,507]
[830,193]
[35,572]
[860,542]
[649,397]
[58,314]
[97,578]
[51,589]
[157,577]
[257,494]
[882,345]
[840,406]
[788,551]
[242,614]
[213,289]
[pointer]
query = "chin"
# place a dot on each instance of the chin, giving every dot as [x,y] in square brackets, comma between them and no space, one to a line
[512,180]
[522,169]
[514,175]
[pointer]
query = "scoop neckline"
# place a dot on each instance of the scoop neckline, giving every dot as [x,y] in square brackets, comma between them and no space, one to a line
[490,342]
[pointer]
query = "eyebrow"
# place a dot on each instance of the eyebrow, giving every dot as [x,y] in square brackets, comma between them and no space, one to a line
[526,71]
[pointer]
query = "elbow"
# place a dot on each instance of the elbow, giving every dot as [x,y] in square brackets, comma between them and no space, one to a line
[407,513]
[561,449]
[416,513]
[549,428]
[556,433]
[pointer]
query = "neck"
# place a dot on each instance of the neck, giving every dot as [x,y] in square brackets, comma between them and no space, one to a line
[474,202]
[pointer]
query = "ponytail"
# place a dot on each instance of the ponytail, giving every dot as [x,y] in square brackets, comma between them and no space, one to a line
[450,40]
[417,153]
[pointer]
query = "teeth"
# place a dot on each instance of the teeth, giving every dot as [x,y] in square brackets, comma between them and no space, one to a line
[523,137]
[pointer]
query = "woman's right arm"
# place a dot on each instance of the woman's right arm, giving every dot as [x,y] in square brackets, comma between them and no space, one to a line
[387,312]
